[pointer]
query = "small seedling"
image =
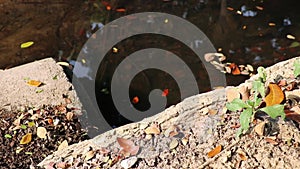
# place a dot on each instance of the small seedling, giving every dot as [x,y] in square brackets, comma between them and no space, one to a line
[250,107]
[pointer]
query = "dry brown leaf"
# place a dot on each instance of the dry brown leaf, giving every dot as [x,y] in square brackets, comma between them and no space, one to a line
[184,141]
[89,155]
[212,112]
[70,116]
[231,94]
[215,151]
[174,143]
[242,156]
[275,95]
[259,128]
[35,83]
[41,132]
[271,140]
[245,92]
[128,146]
[153,129]
[26,139]
[63,145]
[295,116]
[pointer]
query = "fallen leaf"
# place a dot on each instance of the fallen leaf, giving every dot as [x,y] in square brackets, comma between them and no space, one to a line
[171,131]
[41,132]
[209,57]
[35,83]
[184,141]
[153,129]
[234,69]
[128,146]
[165,93]
[174,143]
[275,95]
[259,128]
[245,92]
[89,155]
[242,155]
[271,140]
[129,162]
[135,100]
[121,10]
[215,151]
[62,165]
[26,139]
[295,116]
[27,44]
[63,145]
[69,116]
[212,112]
[7,136]
[231,94]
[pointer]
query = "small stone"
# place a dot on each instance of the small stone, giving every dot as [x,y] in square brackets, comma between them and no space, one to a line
[173,144]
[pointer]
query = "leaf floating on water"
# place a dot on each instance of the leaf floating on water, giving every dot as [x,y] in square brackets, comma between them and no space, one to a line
[165,93]
[41,132]
[26,139]
[275,96]
[215,151]
[128,146]
[35,83]
[27,44]
[135,100]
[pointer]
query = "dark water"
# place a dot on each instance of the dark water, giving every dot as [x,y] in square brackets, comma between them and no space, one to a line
[258,37]
[247,32]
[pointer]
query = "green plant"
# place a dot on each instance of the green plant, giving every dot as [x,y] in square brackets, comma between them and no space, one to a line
[249,107]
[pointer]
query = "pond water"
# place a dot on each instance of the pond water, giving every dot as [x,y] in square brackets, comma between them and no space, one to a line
[256,32]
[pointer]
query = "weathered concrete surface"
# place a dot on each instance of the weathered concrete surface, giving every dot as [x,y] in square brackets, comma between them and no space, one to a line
[188,114]
[14,90]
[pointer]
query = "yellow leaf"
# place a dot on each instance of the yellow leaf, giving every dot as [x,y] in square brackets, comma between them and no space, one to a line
[41,132]
[275,95]
[26,139]
[27,44]
[215,151]
[35,83]
[63,145]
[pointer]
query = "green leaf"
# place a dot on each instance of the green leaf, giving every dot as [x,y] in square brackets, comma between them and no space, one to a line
[262,74]
[236,104]
[7,136]
[39,91]
[297,68]
[257,102]
[259,87]
[55,77]
[274,111]
[23,126]
[245,118]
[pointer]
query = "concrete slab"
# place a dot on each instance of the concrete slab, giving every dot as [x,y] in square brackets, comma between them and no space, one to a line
[14,90]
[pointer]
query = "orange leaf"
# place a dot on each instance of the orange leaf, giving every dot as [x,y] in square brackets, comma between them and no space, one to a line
[26,139]
[135,100]
[234,69]
[275,96]
[128,146]
[215,151]
[34,83]
[165,93]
